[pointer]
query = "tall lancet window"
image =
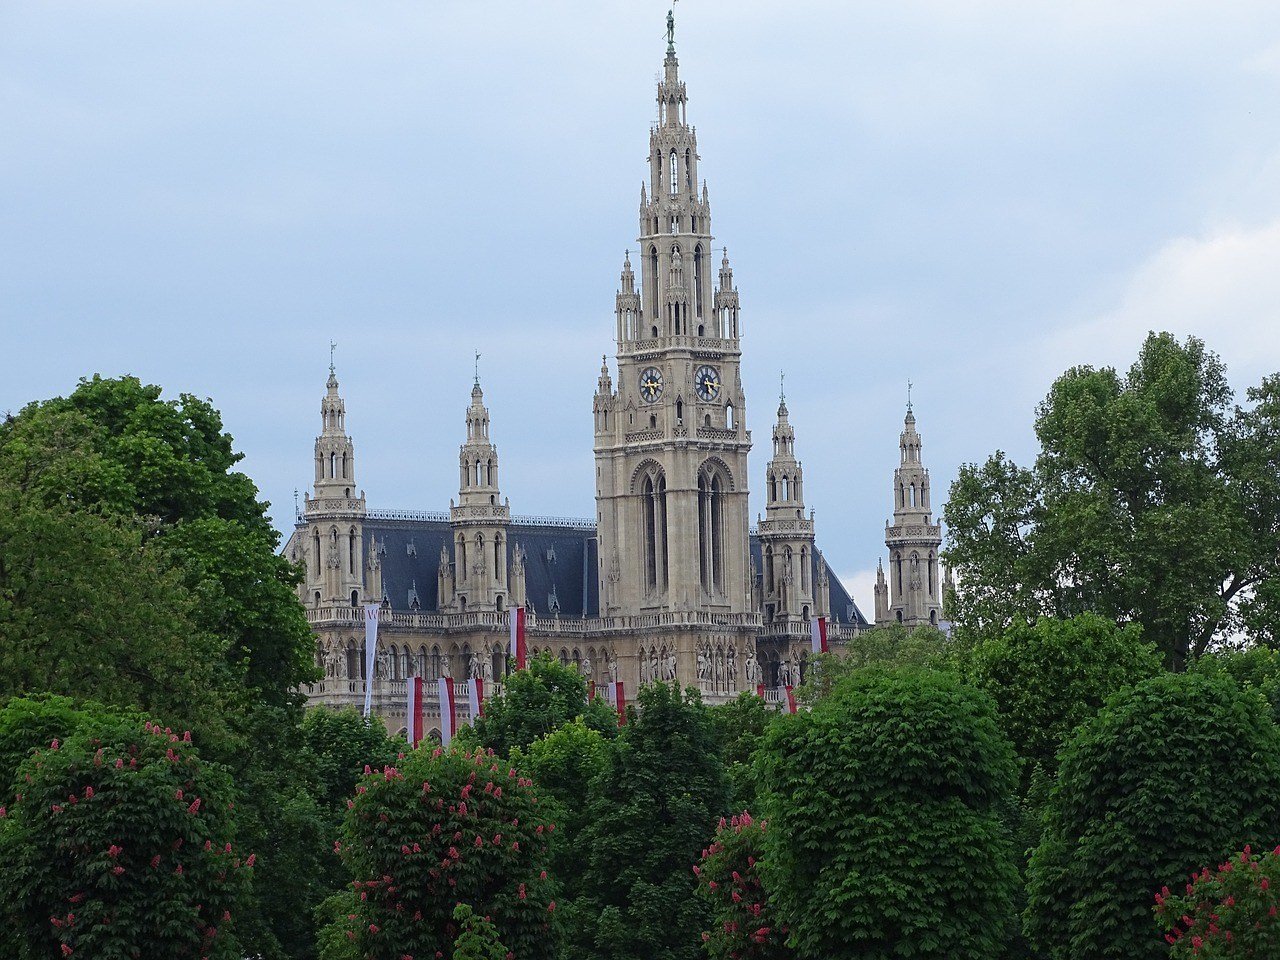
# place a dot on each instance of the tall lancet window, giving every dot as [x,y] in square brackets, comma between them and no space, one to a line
[675,173]
[697,279]
[654,535]
[711,529]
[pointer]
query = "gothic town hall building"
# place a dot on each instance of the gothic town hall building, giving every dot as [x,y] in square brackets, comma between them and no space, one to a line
[668,581]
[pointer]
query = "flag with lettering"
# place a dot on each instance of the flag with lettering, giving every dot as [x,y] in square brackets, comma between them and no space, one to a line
[370,652]
[518,652]
[413,712]
[818,630]
[448,712]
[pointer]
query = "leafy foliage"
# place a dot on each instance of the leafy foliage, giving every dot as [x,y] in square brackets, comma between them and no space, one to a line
[439,830]
[477,938]
[650,814]
[1174,772]
[1228,912]
[743,925]
[120,845]
[884,806]
[536,701]
[1152,502]
[1049,677]
[739,727]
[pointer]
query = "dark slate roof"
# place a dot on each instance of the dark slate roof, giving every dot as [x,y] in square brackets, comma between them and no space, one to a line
[561,562]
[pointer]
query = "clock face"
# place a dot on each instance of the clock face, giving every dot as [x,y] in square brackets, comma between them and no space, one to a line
[707,383]
[650,384]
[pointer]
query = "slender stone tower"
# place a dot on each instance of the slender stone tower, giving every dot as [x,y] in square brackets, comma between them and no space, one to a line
[480,521]
[671,443]
[913,540]
[786,534]
[334,514]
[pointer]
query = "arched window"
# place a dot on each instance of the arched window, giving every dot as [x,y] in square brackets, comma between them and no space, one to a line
[728,416]
[317,598]
[316,551]
[351,551]
[352,666]
[653,422]
[333,465]
[652,282]
[675,173]
[460,559]
[394,662]
[688,168]
[488,472]
[679,411]
[697,282]
[804,573]
[345,474]
[355,598]
[768,569]
[654,535]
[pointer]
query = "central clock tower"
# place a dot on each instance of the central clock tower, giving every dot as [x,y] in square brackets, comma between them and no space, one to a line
[671,441]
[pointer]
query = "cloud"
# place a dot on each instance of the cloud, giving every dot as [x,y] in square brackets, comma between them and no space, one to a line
[1223,286]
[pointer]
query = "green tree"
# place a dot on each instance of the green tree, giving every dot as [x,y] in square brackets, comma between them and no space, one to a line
[121,845]
[536,701]
[739,727]
[1174,772]
[440,829]
[477,937]
[1049,677]
[337,746]
[1153,501]
[885,833]
[650,814]
[1255,668]
[140,569]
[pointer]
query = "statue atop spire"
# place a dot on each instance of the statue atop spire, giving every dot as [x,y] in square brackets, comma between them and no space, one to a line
[671,29]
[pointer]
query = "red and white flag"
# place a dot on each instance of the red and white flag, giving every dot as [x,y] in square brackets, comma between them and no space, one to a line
[517,638]
[448,713]
[370,652]
[760,690]
[475,694]
[791,700]
[818,627]
[413,714]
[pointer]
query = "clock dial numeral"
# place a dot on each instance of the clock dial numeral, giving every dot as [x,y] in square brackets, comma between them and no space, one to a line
[650,384]
[707,383]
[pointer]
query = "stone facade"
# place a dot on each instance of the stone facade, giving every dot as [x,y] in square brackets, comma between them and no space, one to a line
[667,582]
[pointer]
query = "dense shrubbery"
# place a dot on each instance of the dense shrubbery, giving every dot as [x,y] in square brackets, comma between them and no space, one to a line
[1175,772]
[884,806]
[121,844]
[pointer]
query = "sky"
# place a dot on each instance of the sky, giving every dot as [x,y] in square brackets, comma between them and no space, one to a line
[973,197]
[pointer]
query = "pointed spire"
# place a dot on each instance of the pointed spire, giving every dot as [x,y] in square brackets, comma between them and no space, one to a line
[333,376]
[782,395]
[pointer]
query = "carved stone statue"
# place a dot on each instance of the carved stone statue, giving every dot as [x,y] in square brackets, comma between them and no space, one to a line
[473,668]
[753,670]
[784,674]
[586,667]
[486,669]
[613,669]
[671,667]
[704,666]
[731,668]
[381,665]
[653,667]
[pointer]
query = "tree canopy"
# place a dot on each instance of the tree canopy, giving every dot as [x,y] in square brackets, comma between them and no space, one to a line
[1154,500]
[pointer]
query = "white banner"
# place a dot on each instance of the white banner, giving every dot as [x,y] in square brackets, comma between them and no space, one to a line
[370,652]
